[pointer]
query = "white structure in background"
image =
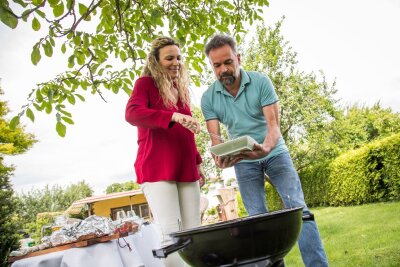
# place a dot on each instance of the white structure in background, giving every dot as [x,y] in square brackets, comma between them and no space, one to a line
[223,199]
[213,191]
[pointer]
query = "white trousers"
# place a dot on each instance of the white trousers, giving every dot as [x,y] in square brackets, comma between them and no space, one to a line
[175,206]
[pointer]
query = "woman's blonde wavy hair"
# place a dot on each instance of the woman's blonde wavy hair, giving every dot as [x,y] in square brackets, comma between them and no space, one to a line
[162,79]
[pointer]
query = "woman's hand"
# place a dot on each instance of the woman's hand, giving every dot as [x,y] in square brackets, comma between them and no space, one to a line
[186,121]
[202,180]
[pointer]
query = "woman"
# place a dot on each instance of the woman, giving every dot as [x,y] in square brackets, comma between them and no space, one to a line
[168,165]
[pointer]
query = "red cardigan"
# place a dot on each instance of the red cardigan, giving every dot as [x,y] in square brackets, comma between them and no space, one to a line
[167,151]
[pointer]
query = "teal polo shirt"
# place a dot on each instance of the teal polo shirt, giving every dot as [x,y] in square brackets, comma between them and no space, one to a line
[242,115]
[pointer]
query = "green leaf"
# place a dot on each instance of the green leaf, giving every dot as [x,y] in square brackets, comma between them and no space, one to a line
[7,17]
[87,18]
[155,14]
[61,129]
[67,83]
[50,94]
[139,40]
[37,107]
[127,90]
[77,40]
[67,120]
[132,75]
[53,2]
[196,66]
[37,2]
[75,82]
[115,88]
[196,81]
[80,58]
[226,4]
[128,81]
[86,41]
[30,115]
[14,122]
[222,12]
[48,107]
[48,49]
[221,28]
[40,13]
[63,48]
[35,55]
[80,97]
[59,106]
[35,24]
[82,9]
[20,2]
[39,97]
[65,113]
[84,85]
[71,99]
[25,15]
[58,10]
[71,61]
[123,56]
[141,53]
[159,21]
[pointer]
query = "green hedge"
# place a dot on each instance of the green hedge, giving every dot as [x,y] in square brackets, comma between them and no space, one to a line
[274,202]
[241,209]
[314,181]
[368,174]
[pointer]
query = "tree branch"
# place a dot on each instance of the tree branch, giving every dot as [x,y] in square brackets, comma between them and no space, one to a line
[29,12]
[149,31]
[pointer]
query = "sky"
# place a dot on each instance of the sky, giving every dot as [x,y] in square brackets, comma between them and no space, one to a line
[353,42]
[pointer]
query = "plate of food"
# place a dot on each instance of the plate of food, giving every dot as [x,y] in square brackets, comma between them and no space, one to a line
[234,146]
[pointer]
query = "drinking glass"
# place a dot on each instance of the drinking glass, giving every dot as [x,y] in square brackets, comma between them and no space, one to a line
[121,215]
[131,214]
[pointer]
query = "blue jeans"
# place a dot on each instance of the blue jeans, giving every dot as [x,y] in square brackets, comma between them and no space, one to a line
[284,177]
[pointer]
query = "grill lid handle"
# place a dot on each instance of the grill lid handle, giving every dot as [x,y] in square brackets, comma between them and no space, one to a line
[165,251]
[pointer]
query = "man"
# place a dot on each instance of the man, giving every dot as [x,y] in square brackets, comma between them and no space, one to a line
[247,104]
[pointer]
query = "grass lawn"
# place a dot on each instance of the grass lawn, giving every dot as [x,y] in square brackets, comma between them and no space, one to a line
[367,235]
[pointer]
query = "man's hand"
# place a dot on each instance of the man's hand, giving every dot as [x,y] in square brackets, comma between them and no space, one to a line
[259,151]
[226,161]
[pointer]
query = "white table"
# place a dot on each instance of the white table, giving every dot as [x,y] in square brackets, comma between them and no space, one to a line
[109,254]
[104,254]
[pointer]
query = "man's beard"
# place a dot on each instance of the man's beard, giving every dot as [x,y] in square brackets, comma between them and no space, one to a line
[227,79]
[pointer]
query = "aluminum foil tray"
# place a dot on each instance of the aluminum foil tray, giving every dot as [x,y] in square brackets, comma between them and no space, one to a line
[233,147]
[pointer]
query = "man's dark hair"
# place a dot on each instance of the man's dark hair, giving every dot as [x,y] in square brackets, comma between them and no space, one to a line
[219,40]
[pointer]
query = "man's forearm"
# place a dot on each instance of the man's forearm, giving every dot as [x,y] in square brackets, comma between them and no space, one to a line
[272,138]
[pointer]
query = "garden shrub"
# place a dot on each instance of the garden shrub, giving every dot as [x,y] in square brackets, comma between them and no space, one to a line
[42,219]
[315,184]
[241,209]
[272,197]
[368,174]
[9,220]
[274,201]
